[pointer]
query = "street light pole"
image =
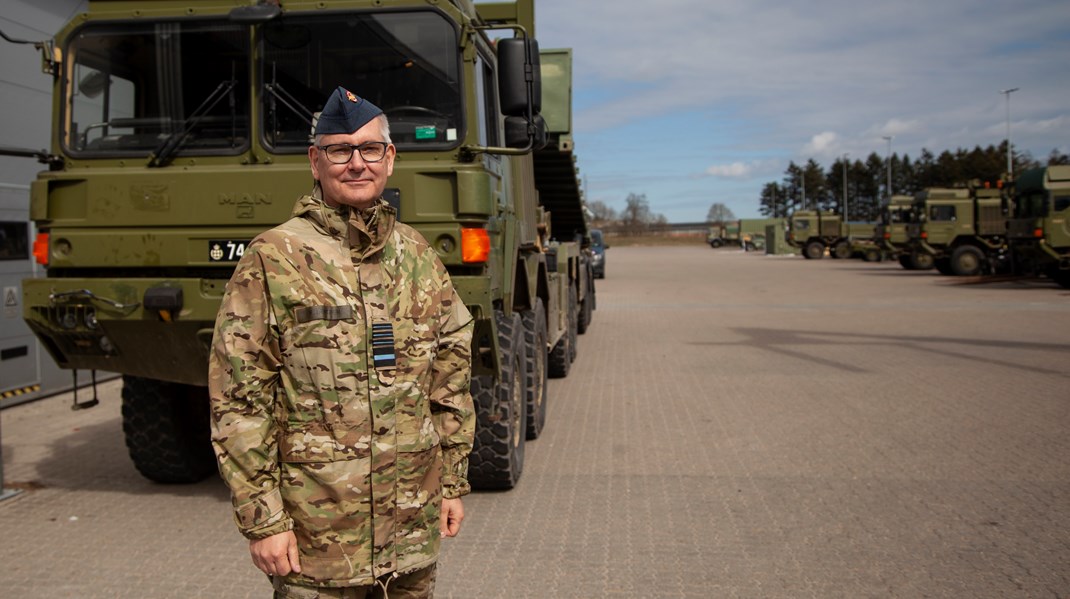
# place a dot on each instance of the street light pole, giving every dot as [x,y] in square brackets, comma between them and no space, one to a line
[1010,153]
[846,212]
[889,138]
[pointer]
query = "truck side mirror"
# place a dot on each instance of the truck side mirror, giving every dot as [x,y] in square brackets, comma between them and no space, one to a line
[516,132]
[519,65]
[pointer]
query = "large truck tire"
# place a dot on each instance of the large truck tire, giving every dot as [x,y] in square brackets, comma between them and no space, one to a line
[573,323]
[967,261]
[841,251]
[905,262]
[167,430]
[536,362]
[922,261]
[815,250]
[586,313]
[1060,276]
[564,351]
[497,458]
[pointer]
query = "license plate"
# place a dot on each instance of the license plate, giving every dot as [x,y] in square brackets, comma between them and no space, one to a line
[226,250]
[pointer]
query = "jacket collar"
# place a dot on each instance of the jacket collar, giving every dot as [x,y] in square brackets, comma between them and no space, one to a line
[365,231]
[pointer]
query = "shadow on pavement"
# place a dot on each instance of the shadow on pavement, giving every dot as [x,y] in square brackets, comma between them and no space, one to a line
[784,342]
[93,457]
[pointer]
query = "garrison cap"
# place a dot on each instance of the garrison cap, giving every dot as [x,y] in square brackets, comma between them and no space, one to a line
[345,112]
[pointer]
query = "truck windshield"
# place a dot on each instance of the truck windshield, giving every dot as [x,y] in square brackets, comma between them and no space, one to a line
[405,62]
[134,88]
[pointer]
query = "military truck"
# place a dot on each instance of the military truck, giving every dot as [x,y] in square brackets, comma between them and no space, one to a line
[1038,230]
[181,131]
[723,234]
[814,231]
[891,236]
[748,233]
[963,230]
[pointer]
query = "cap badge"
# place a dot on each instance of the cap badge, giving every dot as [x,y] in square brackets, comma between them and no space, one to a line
[352,97]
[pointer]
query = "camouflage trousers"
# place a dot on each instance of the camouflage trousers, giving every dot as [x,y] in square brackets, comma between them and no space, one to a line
[419,584]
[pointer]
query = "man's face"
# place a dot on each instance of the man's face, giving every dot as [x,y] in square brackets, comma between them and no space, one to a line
[356,183]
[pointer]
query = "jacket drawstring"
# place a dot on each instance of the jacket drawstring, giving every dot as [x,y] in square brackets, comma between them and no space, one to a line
[383,585]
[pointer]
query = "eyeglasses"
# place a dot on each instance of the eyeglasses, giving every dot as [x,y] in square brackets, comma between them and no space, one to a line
[370,151]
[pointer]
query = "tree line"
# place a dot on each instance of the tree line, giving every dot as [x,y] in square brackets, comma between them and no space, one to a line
[865,184]
[635,219]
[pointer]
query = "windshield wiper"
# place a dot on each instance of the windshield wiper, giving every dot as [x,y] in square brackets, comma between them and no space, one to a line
[287,100]
[163,152]
[279,95]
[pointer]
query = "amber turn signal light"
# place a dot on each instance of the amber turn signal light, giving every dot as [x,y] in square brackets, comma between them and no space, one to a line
[40,249]
[475,245]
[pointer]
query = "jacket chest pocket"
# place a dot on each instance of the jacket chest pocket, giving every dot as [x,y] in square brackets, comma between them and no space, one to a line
[323,352]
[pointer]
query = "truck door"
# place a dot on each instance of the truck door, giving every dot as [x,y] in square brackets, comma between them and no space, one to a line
[942,223]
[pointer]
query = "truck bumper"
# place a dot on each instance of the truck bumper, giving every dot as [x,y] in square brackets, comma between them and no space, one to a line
[104,324]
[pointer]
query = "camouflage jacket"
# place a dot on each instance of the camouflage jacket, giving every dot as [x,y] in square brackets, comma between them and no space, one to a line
[320,423]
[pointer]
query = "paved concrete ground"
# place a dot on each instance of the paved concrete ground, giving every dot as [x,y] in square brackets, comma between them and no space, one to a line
[736,425]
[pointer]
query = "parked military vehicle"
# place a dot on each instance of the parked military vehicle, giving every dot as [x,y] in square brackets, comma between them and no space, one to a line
[963,230]
[748,233]
[723,234]
[892,238]
[181,132]
[814,231]
[1039,229]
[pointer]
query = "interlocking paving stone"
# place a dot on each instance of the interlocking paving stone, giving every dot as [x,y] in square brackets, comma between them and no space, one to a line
[736,425]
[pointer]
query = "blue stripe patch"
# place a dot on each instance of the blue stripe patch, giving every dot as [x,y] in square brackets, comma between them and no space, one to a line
[383,355]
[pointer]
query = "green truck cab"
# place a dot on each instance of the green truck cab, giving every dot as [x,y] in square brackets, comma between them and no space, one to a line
[1039,229]
[181,131]
[890,234]
[814,231]
[962,230]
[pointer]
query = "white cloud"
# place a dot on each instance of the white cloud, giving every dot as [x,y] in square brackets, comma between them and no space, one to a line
[740,170]
[823,144]
[736,170]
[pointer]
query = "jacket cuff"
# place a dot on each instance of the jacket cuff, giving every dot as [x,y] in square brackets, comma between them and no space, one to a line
[263,516]
[455,477]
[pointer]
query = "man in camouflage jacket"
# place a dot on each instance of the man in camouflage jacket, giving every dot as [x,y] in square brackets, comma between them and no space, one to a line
[339,379]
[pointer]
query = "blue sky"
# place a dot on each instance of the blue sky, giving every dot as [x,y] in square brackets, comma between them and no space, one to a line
[692,102]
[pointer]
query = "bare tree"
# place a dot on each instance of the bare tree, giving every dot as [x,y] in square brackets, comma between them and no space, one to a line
[636,214]
[719,213]
[601,212]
